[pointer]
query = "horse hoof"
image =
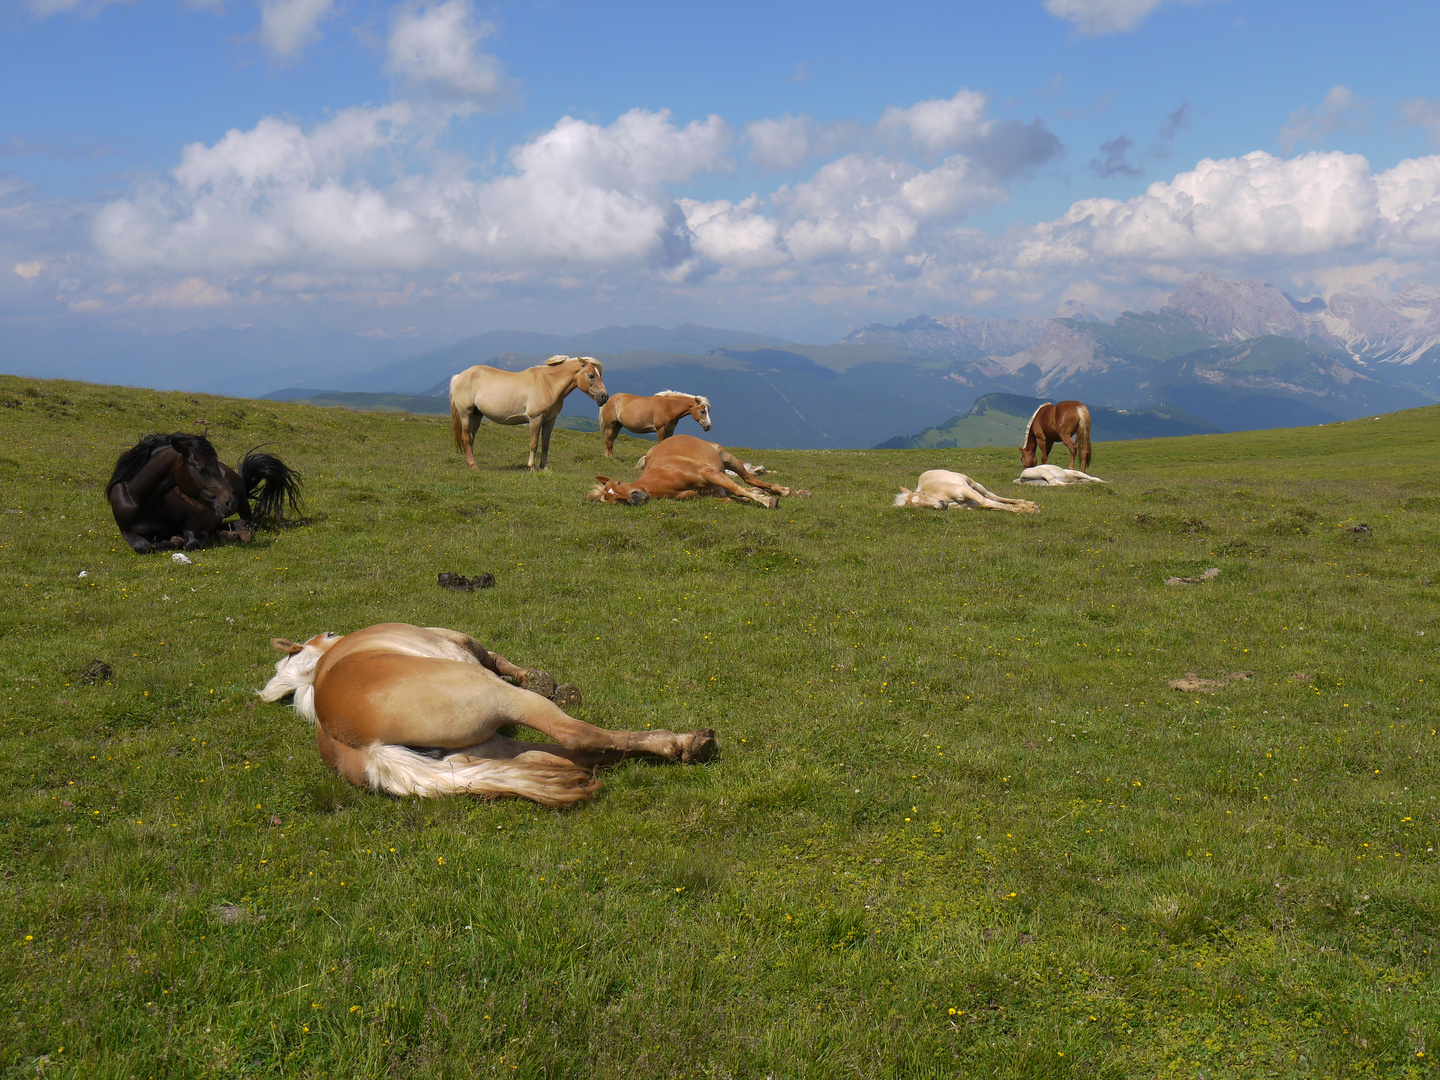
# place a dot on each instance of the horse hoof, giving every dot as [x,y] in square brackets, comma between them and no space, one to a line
[772,502]
[539,682]
[700,746]
[566,695]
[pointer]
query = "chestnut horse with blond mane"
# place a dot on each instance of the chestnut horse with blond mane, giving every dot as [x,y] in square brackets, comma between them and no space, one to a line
[684,467]
[643,415]
[1067,422]
[534,396]
[412,710]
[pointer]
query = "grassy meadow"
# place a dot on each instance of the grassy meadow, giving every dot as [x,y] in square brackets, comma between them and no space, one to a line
[960,824]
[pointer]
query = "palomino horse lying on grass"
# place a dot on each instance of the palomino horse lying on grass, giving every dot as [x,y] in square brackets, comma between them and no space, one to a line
[412,710]
[684,467]
[942,489]
[659,414]
[1055,475]
[534,396]
[1068,422]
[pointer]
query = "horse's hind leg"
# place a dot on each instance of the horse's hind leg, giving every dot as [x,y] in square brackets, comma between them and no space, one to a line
[502,748]
[473,416]
[735,465]
[1071,445]
[720,479]
[572,734]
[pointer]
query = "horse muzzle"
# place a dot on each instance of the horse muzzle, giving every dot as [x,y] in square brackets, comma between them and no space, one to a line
[638,498]
[601,397]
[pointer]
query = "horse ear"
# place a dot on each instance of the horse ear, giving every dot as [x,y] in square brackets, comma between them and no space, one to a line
[558,358]
[285,646]
[603,479]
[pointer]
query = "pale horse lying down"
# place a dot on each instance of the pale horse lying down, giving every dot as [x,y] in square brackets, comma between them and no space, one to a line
[413,710]
[942,489]
[1046,475]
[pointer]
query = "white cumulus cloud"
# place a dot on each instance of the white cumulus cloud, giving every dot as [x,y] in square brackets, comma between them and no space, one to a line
[279,198]
[436,47]
[941,124]
[288,26]
[1096,17]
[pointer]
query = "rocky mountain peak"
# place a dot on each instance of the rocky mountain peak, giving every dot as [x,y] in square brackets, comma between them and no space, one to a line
[1249,308]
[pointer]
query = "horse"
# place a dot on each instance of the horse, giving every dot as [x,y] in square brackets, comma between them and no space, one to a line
[1067,422]
[534,396]
[659,414]
[172,491]
[1054,475]
[411,710]
[684,467]
[941,489]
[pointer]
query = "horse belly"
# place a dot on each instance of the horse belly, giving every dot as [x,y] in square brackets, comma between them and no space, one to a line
[414,701]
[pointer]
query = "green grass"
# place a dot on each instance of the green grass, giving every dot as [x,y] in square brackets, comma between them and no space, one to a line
[960,826]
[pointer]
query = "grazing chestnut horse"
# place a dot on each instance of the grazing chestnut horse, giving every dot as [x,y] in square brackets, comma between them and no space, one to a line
[413,710]
[534,396]
[941,489]
[170,491]
[684,467]
[659,414]
[1068,422]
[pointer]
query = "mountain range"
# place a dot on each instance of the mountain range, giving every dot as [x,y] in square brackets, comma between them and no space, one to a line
[1224,355]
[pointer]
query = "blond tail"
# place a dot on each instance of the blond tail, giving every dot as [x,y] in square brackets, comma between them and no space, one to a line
[1082,436]
[399,771]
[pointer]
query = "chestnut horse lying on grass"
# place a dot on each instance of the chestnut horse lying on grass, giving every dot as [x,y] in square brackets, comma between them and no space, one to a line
[1068,422]
[413,710]
[941,489]
[684,467]
[659,414]
[534,396]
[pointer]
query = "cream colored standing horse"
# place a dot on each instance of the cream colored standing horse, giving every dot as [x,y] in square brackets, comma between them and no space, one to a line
[534,396]
[659,414]
[413,710]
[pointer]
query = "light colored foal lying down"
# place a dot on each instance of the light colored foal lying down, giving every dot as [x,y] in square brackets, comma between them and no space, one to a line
[1047,475]
[942,489]
[413,710]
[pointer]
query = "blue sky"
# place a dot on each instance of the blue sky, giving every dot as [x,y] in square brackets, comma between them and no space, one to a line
[438,169]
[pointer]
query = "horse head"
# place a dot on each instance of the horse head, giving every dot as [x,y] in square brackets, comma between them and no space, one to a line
[918,498]
[701,412]
[612,491]
[589,379]
[295,671]
[1028,454]
[197,473]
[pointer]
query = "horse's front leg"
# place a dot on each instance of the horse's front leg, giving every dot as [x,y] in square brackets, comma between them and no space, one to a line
[535,425]
[138,542]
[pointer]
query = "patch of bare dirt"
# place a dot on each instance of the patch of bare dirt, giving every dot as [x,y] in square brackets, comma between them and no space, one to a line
[1192,683]
[1214,571]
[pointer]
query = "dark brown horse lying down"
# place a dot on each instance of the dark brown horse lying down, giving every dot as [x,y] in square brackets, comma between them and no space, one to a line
[684,467]
[413,710]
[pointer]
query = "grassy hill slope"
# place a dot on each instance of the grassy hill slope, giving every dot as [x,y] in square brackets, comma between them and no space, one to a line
[1001,419]
[961,825]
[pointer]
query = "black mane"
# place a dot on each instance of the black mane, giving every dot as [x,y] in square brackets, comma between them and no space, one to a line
[134,459]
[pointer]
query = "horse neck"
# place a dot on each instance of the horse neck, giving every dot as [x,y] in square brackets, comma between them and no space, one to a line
[158,476]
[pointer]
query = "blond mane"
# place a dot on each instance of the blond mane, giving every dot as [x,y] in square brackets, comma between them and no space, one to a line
[704,402]
[1029,424]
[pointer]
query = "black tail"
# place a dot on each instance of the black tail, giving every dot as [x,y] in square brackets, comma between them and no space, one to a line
[270,484]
